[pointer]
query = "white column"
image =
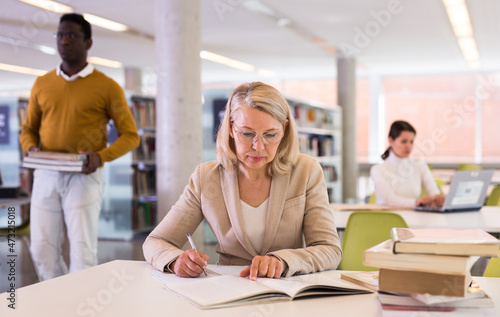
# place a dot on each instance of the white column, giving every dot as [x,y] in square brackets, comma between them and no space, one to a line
[178,105]
[478,127]
[377,120]
[346,87]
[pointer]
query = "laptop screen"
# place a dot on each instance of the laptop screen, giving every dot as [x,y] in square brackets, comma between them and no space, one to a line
[468,188]
[468,193]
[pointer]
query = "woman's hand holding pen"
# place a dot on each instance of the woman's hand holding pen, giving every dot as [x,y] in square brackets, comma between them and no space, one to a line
[263,266]
[190,264]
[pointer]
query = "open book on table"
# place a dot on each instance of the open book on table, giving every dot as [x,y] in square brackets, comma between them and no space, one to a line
[216,291]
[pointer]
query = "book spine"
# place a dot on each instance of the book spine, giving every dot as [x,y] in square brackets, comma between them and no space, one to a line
[394,248]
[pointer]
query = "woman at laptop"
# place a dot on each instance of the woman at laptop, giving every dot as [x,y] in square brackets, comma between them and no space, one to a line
[399,180]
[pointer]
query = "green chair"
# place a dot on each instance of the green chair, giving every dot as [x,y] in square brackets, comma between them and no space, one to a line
[372,199]
[494,197]
[365,229]
[22,230]
[468,167]
[493,268]
[440,183]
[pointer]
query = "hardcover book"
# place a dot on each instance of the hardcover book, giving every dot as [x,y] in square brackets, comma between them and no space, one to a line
[64,162]
[473,291]
[37,160]
[445,242]
[423,282]
[58,156]
[61,168]
[381,256]
[475,297]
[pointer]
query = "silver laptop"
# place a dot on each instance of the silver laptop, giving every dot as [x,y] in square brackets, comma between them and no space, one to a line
[467,192]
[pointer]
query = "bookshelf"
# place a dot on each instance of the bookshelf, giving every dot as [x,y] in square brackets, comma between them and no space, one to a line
[320,135]
[25,174]
[144,202]
[12,116]
[130,203]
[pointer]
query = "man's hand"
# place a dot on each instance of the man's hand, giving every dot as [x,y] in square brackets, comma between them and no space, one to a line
[190,264]
[263,266]
[32,149]
[94,161]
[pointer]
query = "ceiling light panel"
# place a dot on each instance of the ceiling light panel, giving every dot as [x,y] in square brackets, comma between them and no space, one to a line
[49,5]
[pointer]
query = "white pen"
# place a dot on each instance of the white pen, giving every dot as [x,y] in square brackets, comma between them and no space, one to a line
[191,242]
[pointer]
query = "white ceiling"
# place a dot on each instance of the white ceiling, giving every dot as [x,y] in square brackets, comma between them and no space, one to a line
[417,38]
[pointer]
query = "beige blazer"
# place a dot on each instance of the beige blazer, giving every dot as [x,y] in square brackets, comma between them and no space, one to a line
[300,228]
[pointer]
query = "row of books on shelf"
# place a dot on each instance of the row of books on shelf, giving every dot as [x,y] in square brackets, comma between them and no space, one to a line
[317,145]
[144,112]
[146,151]
[143,214]
[427,269]
[144,182]
[313,117]
[331,194]
[330,173]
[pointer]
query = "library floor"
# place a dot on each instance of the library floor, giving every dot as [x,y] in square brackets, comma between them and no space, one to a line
[108,250]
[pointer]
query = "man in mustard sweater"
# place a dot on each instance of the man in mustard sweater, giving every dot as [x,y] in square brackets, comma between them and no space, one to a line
[68,111]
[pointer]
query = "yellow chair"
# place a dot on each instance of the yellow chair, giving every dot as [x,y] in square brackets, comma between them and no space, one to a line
[365,229]
[469,167]
[20,231]
[494,197]
[372,199]
[493,268]
[440,183]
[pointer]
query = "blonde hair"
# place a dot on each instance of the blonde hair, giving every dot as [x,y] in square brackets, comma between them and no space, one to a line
[264,98]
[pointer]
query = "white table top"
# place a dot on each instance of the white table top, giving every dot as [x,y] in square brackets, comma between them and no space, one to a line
[127,288]
[488,219]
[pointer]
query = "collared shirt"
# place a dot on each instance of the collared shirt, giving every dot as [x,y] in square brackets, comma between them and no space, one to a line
[87,70]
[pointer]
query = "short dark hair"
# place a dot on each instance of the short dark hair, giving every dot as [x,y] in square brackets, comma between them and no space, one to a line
[396,128]
[80,20]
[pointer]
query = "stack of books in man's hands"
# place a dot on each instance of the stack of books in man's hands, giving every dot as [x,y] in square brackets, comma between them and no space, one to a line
[66,162]
[431,267]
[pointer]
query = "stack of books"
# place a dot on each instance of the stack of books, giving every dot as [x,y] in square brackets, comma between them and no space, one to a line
[65,162]
[431,267]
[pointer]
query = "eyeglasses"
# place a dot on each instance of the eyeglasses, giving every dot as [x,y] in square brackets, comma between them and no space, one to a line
[71,36]
[251,137]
